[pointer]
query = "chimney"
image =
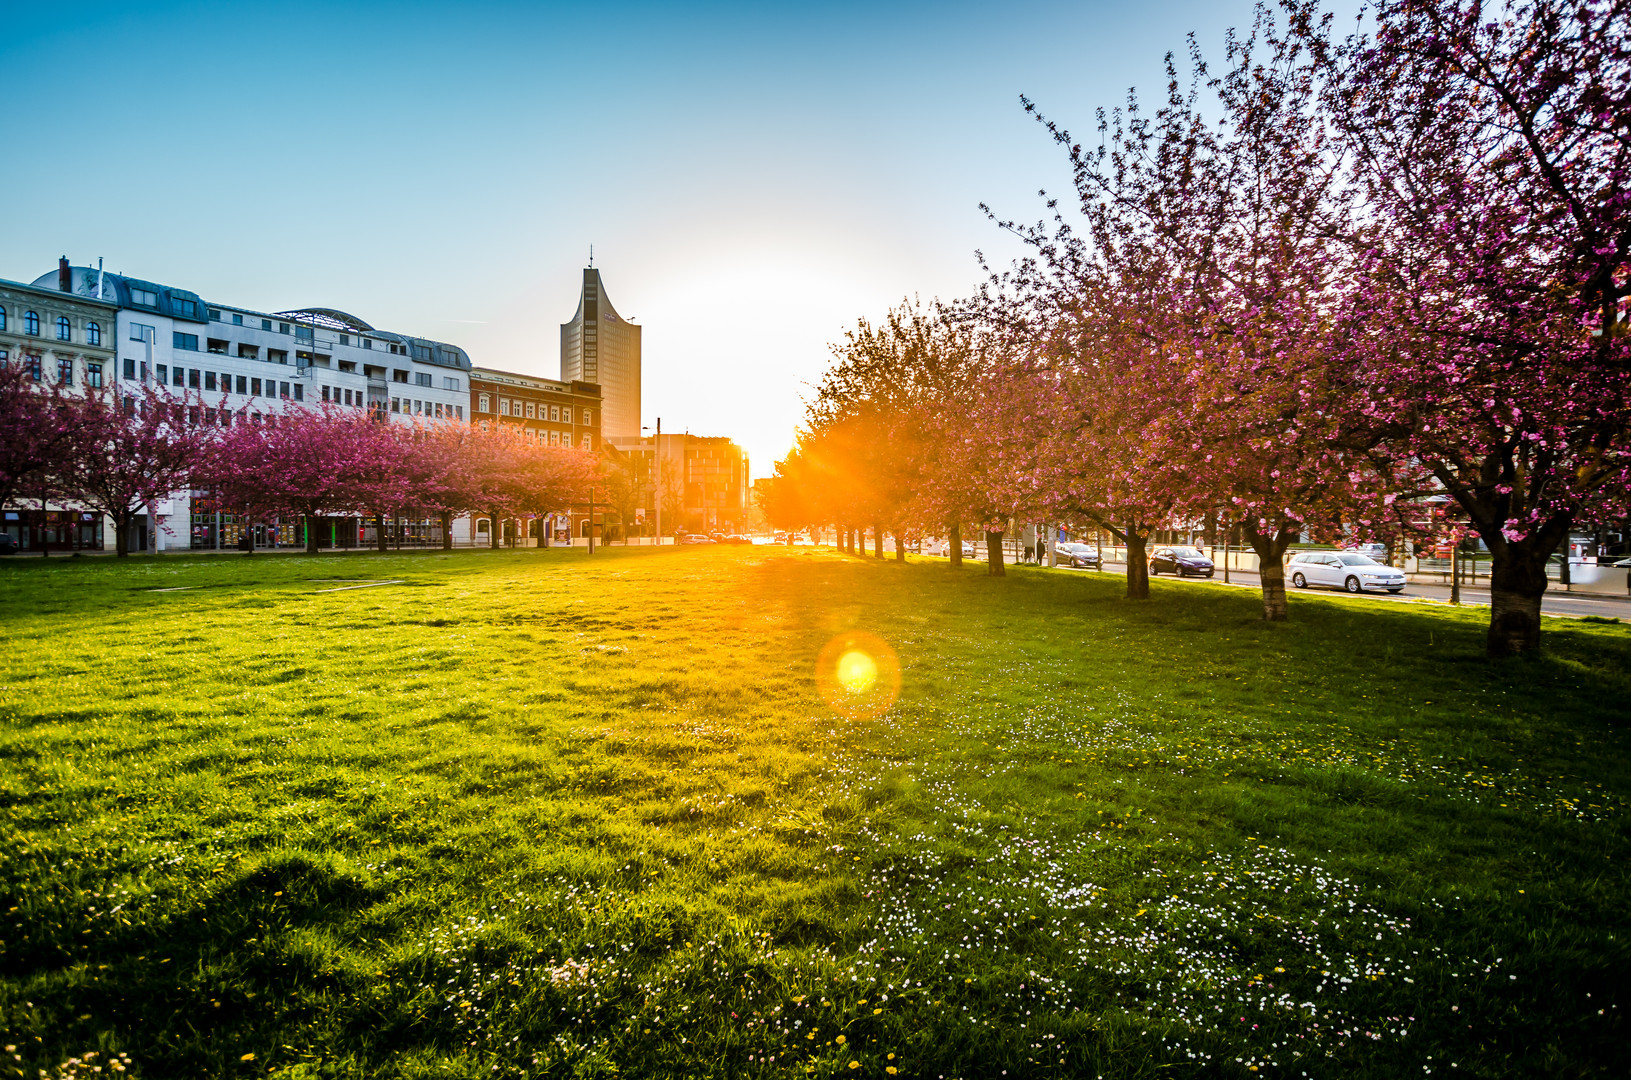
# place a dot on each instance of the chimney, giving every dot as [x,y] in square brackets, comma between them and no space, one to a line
[65,276]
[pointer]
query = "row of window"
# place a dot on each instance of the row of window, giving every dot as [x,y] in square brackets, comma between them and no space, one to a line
[212,382]
[556,438]
[413,407]
[65,328]
[529,410]
[34,367]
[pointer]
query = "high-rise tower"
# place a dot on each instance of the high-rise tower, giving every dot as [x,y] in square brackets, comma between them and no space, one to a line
[600,346]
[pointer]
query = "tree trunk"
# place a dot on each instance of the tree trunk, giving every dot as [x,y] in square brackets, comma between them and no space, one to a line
[447,530]
[1271,570]
[877,541]
[1517,583]
[121,536]
[1138,566]
[993,554]
[311,534]
[492,530]
[954,545]
[900,547]
[379,531]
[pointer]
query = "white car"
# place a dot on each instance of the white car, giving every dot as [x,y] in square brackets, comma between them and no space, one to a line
[1343,570]
[943,548]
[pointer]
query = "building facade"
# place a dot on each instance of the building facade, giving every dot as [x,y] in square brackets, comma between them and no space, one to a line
[556,412]
[599,346]
[703,481]
[245,364]
[62,338]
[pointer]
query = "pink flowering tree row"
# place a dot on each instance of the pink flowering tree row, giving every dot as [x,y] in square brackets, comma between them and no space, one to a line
[121,450]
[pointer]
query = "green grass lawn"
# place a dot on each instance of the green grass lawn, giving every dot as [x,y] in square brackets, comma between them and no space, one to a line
[545,814]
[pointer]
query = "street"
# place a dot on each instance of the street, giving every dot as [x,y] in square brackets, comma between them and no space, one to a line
[1554,602]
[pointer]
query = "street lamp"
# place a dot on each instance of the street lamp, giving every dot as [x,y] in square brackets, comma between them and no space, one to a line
[657,479]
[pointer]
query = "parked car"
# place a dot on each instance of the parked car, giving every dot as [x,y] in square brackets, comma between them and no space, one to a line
[1343,570]
[1377,552]
[696,538]
[943,548]
[8,544]
[1080,556]
[1183,561]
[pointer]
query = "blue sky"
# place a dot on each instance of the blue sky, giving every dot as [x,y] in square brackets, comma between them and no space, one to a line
[753,178]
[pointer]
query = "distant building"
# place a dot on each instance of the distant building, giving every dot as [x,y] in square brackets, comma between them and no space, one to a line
[704,481]
[553,412]
[599,346]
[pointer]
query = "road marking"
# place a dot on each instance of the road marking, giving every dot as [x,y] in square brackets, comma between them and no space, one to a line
[369,585]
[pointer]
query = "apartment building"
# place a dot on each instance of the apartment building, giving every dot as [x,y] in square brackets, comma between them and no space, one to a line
[552,411]
[57,337]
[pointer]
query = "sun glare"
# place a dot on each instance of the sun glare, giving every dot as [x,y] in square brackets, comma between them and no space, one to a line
[858,675]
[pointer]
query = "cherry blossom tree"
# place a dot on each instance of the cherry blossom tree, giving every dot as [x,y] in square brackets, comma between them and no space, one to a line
[1489,324]
[130,449]
[312,462]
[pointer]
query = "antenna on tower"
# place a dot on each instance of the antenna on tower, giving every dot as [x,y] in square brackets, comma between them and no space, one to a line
[591,256]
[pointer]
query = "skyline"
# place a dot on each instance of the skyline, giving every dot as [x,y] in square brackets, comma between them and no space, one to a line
[752,182]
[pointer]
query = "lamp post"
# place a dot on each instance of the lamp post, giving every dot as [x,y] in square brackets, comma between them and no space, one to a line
[657,480]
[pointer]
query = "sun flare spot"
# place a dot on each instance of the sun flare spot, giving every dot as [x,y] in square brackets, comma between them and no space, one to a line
[857,671]
[858,675]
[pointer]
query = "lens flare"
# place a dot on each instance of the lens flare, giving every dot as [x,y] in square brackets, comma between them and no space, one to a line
[858,675]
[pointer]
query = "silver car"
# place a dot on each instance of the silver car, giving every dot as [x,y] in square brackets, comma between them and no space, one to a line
[1347,570]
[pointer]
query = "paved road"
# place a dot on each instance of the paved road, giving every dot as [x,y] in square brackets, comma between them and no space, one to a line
[1554,603]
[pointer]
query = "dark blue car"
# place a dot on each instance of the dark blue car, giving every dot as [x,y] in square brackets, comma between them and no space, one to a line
[1183,561]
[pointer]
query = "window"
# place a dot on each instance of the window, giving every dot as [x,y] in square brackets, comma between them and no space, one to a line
[192,378]
[302,333]
[142,332]
[347,393]
[283,389]
[345,365]
[345,339]
[180,376]
[209,380]
[458,411]
[266,324]
[484,425]
[2,318]
[163,373]
[183,309]
[31,322]
[255,387]
[588,441]
[368,343]
[277,356]
[130,368]
[450,384]
[282,327]
[396,405]
[187,342]
[503,406]
[93,333]
[237,320]
[586,415]
[31,364]
[65,329]
[216,346]
[215,314]
[93,375]
[529,410]
[438,410]
[554,437]
[249,352]
[484,403]
[555,413]
[420,352]
[65,371]
[144,297]
[421,378]
[299,392]
[243,385]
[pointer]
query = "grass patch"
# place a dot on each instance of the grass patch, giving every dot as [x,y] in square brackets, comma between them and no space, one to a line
[537,814]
